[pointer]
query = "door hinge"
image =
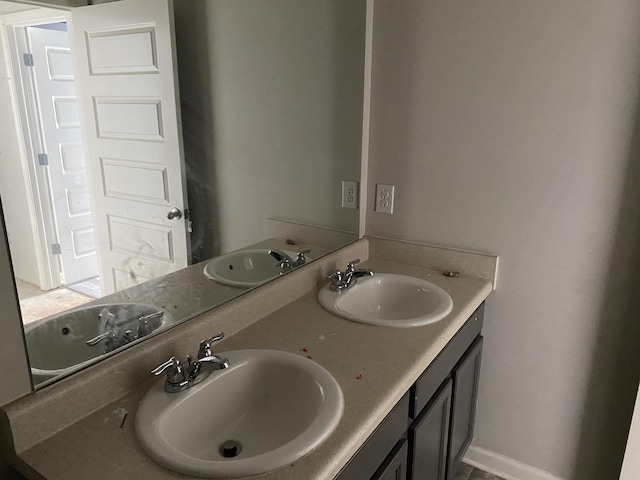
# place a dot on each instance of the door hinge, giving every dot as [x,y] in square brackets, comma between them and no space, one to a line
[43,159]
[27,58]
[55,249]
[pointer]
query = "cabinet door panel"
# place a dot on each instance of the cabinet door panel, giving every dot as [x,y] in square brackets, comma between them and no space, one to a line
[382,441]
[395,466]
[466,375]
[429,437]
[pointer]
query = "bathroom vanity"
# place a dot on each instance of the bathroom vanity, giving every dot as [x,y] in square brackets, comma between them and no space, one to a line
[409,393]
[427,433]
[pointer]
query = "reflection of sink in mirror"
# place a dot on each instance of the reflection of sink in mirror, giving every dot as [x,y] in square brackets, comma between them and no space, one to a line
[71,340]
[264,411]
[389,300]
[227,93]
[246,268]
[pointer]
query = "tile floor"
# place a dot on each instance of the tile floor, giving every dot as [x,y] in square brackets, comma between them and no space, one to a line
[467,472]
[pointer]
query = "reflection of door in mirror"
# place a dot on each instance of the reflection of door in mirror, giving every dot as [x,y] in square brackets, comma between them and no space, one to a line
[132,153]
[126,73]
[56,108]
[44,184]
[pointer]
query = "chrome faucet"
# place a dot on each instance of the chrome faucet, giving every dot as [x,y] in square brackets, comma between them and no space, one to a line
[114,336]
[285,262]
[342,280]
[109,334]
[180,378]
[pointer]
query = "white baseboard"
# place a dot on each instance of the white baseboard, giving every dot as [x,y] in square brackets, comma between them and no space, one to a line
[504,467]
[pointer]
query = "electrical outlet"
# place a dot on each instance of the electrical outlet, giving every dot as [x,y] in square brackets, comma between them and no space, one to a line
[384,198]
[349,194]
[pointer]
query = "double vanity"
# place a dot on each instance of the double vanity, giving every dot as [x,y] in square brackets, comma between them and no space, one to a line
[363,376]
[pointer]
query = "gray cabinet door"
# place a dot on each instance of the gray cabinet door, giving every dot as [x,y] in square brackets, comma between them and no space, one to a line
[395,465]
[367,461]
[429,437]
[466,375]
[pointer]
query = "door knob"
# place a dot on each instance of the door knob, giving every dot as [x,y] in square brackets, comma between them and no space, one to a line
[174,213]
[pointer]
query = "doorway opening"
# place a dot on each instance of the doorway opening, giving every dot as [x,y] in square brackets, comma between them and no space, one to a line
[47,181]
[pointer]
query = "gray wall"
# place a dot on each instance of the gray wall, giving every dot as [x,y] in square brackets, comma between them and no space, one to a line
[271,94]
[512,128]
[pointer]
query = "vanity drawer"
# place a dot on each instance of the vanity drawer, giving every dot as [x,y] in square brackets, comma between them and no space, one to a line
[365,462]
[432,378]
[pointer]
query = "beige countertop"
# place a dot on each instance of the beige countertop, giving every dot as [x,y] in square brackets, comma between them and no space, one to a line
[374,366]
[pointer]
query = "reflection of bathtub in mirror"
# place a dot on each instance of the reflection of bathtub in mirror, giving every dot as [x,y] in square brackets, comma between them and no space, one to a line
[69,341]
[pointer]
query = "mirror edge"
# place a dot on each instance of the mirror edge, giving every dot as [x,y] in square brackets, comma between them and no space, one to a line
[366,117]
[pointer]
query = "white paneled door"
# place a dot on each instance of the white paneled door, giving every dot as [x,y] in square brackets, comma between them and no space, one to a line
[126,73]
[63,153]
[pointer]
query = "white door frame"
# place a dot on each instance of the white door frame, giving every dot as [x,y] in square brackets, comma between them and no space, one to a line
[40,215]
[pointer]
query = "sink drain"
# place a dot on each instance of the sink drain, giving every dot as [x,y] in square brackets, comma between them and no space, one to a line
[230,449]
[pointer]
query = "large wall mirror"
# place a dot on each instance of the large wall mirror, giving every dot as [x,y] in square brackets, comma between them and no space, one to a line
[159,159]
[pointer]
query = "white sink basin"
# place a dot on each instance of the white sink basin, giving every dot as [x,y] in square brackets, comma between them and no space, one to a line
[389,300]
[245,268]
[276,406]
[58,344]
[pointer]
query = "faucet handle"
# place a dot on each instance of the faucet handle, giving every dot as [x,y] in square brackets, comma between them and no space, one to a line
[205,345]
[351,265]
[151,316]
[99,338]
[143,323]
[173,367]
[176,378]
[172,362]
